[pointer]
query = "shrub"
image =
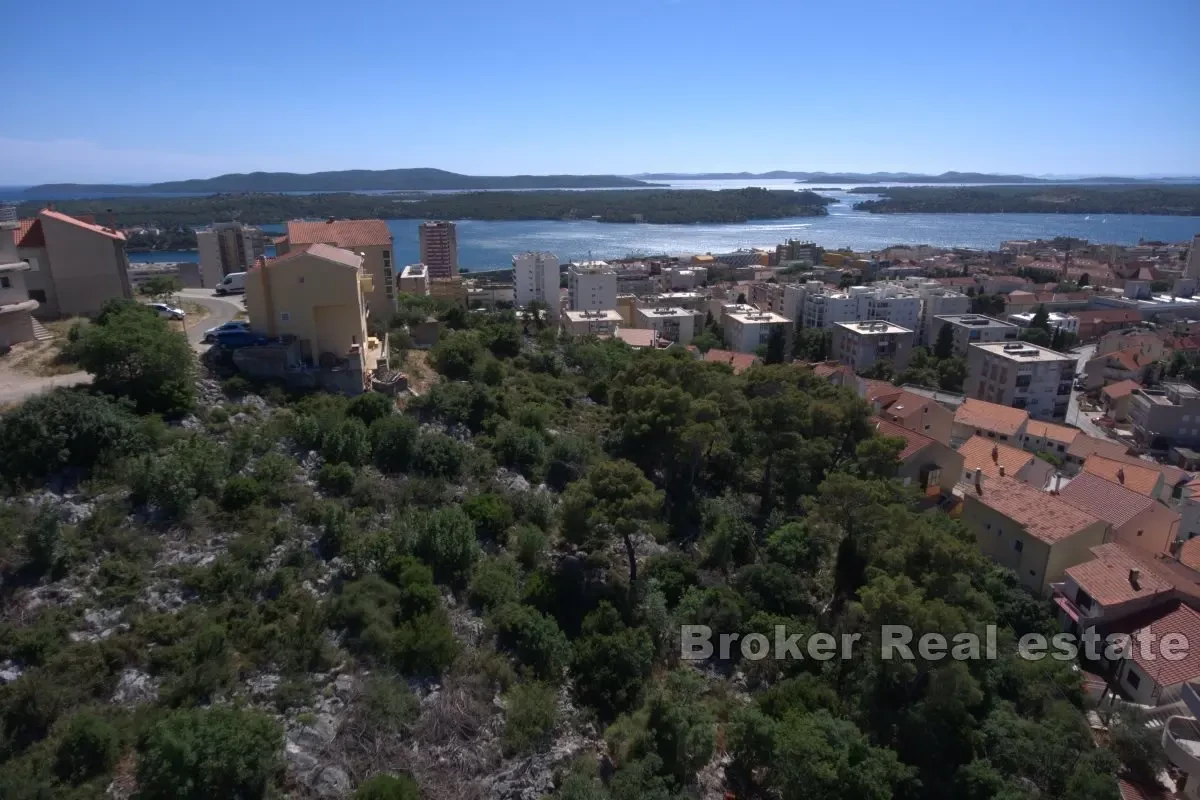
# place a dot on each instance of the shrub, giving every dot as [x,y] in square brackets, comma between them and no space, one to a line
[64,429]
[347,441]
[529,718]
[388,787]
[490,513]
[445,539]
[674,572]
[200,754]
[237,386]
[388,705]
[239,493]
[371,406]
[402,628]
[533,638]
[610,663]
[393,441]
[520,449]
[87,749]
[191,467]
[494,582]
[438,456]
[528,544]
[456,353]
[43,541]
[336,479]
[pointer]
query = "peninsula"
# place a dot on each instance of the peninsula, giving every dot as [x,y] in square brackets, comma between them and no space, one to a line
[1172,200]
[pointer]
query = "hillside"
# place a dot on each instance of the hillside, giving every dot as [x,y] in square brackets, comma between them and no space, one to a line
[889,177]
[1166,200]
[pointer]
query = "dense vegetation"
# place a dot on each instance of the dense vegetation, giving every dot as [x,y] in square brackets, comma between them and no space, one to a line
[1169,200]
[443,592]
[733,205]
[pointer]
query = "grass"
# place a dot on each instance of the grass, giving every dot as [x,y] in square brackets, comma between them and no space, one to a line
[44,359]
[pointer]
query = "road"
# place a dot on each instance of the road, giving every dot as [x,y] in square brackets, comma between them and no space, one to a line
[1083,419]
[16,386]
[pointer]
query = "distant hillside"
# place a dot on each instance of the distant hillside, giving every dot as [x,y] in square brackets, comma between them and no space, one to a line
[886,177]
[354,180]
[1172,200]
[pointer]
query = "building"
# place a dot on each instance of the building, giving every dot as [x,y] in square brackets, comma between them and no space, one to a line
[591,322]
[807,253]
[1131,364]
[746,329]
[16,308]
[678,325]
[1142,477]
[1056,320]
[738,362]
[439,248]
[316,294]
[925,462]
[640,339]
[1152,679]
[1192,270]
[1167,417]
[489,294]
[591,286]
[822,307]
[1137,521]
[860,344]
[939,301]
[536,279]
[452,290]
[414,279]
[972,329]
[985,459]
[369,238]
[1046,437]
[1115,583]
[227,247]
[75,265]
[916,413]
[1094,323]
[1022,375]
[1031,532]
[979,418]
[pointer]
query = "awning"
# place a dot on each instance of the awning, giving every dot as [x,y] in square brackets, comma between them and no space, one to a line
[1068,607]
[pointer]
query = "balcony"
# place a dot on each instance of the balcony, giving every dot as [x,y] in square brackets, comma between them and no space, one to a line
[1181,741]
[8,214]
[366,283]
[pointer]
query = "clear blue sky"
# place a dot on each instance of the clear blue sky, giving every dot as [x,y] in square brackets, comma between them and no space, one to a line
[131,91]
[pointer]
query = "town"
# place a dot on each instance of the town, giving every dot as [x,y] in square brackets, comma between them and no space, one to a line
[1043,397]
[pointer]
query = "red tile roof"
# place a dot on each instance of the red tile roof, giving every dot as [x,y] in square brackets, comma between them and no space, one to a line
[1131,359]
[1130,790]
[872,390]
[1173,617]
[1120,389]
[1043,515]
[1189,554]
[1107,577]
[1085,445]
[989,456]
[1111,502]
[987,416]
[739,361]
[30,234]
[825,369]
[906,405]
[1048,430]
[1143,480]
[58,216]
[913,442]
[340,233]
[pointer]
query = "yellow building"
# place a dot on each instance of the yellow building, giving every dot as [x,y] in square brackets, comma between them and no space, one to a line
[315,294]
[369,238]
[452,290]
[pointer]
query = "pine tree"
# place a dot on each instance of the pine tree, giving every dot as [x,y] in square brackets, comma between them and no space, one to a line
[944,347]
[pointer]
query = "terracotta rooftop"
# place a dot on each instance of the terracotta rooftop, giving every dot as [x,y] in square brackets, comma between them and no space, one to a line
[986,416]
[1085,446]
[1107,577]
[872,390]
[739,361]
[825,369]
[1130,790]
[1189,554]
[1173,617]
[1048,430]
[340,232]
[913,442]
[1120,389]
[906,405]
[324,251]
[58,216]
[30,234]
[989,456]
[1131,359]
[1042,514]
[1111,502]
[1143,480]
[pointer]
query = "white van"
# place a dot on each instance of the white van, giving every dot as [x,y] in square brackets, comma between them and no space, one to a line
[234,283]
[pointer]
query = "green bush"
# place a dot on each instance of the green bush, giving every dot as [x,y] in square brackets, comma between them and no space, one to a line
[490,513]
[529,718]
[237,386]
[347,441]
[388,705]
[494,582]
[43,541]
[533,638]
[456,353]
[399,627]
[200,754]
[388,787]
[240,492]
[610,663]
[88,748]
[393,442]
[520,449]
[192,467]
[445,539]
[528,544]
[438,456]
[336,479]
[371,406]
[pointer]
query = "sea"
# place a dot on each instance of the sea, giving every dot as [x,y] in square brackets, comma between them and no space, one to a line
[491,245]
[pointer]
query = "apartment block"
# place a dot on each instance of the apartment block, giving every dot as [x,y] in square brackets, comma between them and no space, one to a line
[1057,321]
[822,307]
[1166,417]
[369,238]
[972,329]
[536,278]
[414,279]
[746,329]
[439,248]
[227,247]
[1021,375]
[938,301]
[678,325]
[591,322]
[75,265]
[591,286]
[16,319]
[858,345]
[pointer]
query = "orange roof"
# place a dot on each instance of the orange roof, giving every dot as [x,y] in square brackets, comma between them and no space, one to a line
[1189,554]
[913,442]
[1043,515]
[1048,430]
[990,456]
[1102,498]
[91,226]
[987,416]
[1159,621]
[1107,578]
[1143,480]
[905,405]
[340,232]
[1120,389]
[825,369]
[1130,790]
[873,390]
[739,361]
[30,234]
[1131,358]
[1085,445]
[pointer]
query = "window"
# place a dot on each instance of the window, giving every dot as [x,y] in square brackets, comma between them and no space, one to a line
[285,317]
[1018,545]
[37,294]
[1132,679]
[5,283]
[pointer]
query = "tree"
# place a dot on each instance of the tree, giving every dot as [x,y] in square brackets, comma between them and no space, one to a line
[160,287]
[821,758]
[132,352]
[990,304]
[1041,319]
[881,369]
[615,499]
[456,353]
[812,344]
[741,298]
[944,348]
[388,787]
[1085,280]
[88,748]
[776,345]
[706,341]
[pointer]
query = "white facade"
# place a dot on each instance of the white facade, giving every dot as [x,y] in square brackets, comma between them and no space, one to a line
[414,279]
[747,328]
[970,329]
[823,308]
[591,322]
[860,344]
[938,301]
[674,323]
[16,324]
[1057,321]
[1021,375]
[536,278]
[591,286]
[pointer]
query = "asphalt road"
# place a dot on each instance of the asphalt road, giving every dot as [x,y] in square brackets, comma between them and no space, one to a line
[1083,419]
[220,309]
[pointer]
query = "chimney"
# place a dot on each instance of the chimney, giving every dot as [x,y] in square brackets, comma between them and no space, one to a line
[978,479]
[1001,470]
[1121,475]
[1135,576]
[996,453]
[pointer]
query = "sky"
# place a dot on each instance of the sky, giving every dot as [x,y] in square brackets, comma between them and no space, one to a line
[139,91]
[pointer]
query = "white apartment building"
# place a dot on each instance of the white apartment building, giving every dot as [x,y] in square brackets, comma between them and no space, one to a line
[227,247]
[414,279]
[1057,321]
[860,344]
[672,322]
[536,279]
[591,322]
[1021,375]
[938,301]
[746,328]
[822,307]
[972,329]
[591,286]
[889,303]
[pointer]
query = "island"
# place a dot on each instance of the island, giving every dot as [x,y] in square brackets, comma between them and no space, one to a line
[1182,200]
[648,205]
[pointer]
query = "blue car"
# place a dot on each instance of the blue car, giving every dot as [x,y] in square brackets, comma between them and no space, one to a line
[234,339]
[211,334]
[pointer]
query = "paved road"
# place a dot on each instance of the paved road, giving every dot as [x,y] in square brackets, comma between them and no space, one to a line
[1083,419]
[16,386]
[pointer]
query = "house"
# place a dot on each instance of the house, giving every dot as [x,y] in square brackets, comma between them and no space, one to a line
[916,413]
[1145,480]
[591,322]
[1144,674]
[740,362]
[314,297]
[984,459]
[981,418]
[1166,417]
[1116,583]
[638,339]
[371,239]
[75,265]
[928,464]
[1094,323]
[1137,521]
[16,320]
[1084,446]
[1029,531]
[1145,342]
[1123,365]
[1046,437]
[1116,398]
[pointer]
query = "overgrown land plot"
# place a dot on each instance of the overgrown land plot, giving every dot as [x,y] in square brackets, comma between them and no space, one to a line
[235,592]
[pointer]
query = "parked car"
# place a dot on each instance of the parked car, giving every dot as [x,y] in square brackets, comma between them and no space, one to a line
[168,311]
[211,334]
[243,338]
[233,283]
